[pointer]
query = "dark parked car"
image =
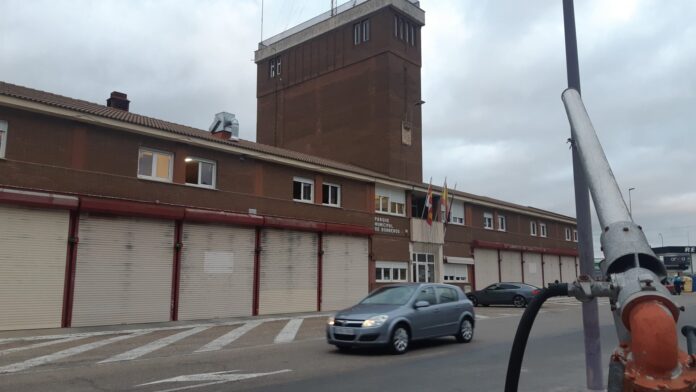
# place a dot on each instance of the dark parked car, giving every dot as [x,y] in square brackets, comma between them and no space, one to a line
[394,316]
[504,293]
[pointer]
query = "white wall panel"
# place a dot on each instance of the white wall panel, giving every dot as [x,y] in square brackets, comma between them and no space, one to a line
[552,270]
[33,250]
[532,269]
[568,269]
[344,271]
[510,266]
[485,267]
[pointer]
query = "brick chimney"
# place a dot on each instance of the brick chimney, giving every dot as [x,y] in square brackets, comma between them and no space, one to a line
[118,101]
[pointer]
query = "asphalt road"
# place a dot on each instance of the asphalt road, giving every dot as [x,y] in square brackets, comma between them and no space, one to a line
[290,354]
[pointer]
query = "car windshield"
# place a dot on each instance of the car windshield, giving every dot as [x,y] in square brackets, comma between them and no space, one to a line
[398,295]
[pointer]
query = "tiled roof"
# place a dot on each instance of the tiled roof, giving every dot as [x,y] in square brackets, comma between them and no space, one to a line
[95,109]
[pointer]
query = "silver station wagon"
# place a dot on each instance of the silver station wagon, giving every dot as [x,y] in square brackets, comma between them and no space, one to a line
[393,316]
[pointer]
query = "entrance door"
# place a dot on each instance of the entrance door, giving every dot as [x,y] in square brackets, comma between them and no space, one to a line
[423,267]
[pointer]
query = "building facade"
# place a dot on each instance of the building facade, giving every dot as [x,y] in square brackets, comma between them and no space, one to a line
[110,217]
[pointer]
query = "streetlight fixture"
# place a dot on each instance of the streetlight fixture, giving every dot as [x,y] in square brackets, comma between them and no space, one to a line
[630,210]
[662,240]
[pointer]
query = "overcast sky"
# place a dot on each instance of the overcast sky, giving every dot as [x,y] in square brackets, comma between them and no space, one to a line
[493,73]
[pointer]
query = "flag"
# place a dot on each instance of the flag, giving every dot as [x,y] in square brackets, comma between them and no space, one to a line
[445,203]
[429,203]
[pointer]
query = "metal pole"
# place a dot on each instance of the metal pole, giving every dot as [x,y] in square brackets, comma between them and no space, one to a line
[630,207]
[590,315]
[662,240]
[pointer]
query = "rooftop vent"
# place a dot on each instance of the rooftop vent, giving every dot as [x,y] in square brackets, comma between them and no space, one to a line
[118,101]
[225,126]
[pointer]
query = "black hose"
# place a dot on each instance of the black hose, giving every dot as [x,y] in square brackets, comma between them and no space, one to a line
[520,343]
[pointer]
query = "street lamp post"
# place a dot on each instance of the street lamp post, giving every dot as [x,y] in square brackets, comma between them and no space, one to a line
[662,240]
[630,210]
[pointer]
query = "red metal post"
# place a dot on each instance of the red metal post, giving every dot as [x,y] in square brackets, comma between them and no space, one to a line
[70,263]
[176,269]
[320,257]
[257,271]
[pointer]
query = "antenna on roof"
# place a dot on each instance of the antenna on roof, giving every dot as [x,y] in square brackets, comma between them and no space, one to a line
[261,21]
[334,5]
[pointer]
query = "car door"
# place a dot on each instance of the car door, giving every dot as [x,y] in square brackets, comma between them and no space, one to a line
[508,292]
[487,295]
[450,310]
[495,294]
[424,321]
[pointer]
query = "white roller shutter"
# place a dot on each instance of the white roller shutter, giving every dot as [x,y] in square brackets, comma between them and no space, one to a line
[532,269]
[344,271]
[486,267]
[510,266]
[124,271]
[217,271]
[568,265]
[288,272]
[552,271]
[33,244]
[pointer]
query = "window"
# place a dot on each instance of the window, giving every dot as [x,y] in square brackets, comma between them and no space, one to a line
[391,271]
[567,234]
[365,30]
[413,35]
[533,228]
[356,34]
[200,172]
[502,224]
[390,200]
[155,165]
[575,235]
[361,32]
[274,65]
[396,26]
[427,294]
[488,220]
[331,195]
[423,267]
[457,273]
[3,138]
[303,190]
[405,30]
[542,226]
[457,212]
[446,294]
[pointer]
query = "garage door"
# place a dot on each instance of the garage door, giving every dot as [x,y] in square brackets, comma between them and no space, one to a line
[486,267]
[124,271]
[32,267]
[552,271]
[568,266]
[532,269]
[344,271]
[510,266]
[217,272]
[288,272]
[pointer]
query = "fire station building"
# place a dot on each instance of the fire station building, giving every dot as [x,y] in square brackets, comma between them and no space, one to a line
[110,217]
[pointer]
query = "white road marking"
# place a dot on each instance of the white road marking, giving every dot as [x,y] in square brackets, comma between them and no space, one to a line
[210,379]
[16,367]
[153,346]
[39,345]
[229,337]
[481,317]
[287,334]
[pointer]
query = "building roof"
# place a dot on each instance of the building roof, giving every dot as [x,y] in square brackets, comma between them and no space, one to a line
[93,109]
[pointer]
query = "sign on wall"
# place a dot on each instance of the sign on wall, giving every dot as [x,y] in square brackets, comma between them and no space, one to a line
[384,225]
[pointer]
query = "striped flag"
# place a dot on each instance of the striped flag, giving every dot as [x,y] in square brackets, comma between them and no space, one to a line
[429,202]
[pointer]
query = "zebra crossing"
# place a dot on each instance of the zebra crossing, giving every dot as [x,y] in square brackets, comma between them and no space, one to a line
[570,301]
[91,341]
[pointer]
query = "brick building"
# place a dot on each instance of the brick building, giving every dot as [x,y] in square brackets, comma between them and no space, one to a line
[110,217]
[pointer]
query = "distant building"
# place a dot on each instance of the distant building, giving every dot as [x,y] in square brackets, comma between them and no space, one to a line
[677,258]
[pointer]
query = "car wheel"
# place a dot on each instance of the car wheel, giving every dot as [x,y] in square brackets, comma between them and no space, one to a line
[519,301]
[474,300]
[466,331]
[400,340]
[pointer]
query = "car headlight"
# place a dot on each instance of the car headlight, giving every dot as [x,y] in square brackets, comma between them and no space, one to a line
[330,321]
[376,321]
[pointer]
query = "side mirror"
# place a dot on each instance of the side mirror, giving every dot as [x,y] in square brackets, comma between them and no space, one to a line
[422,304]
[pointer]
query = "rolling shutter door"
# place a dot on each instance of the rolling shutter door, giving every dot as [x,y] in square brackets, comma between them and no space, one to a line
[344,271]
[510,266]
[217,272]
[32,267]
[124,271]
[288,272]
[568,265]
[552,271]
[532,269]
[486,267]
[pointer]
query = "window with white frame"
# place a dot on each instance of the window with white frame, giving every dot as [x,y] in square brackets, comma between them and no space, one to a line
[458,273]
[502,223]
[488,220]
[423,267]
[542,227]
[533,228]
[200,172]
[390,200]
[575,235]
[274,65]
[331,195]
[391,271]
[567,234]
[155,165]
[3,138]
[361,32]
[303,190]
[457,212]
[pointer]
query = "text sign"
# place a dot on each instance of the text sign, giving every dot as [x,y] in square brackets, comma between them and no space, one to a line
[383,225]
